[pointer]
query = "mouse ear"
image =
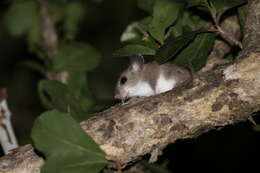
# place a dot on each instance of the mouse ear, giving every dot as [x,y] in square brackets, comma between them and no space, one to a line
[136,62]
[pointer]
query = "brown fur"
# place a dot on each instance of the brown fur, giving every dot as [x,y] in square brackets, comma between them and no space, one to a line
[150,72]
[179,73]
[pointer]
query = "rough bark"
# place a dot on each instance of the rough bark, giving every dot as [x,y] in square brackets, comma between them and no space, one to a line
[221,95]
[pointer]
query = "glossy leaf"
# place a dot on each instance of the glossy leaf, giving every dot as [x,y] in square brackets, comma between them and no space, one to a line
[203,3]
[222,6]
[33,35]
[216,6]
[78,84]
[145,23]
[20,17]
[73,16]
[76,56]
[165,13]
[137,33]
[54,94]
[149,42]
[183,24]
[169,50]
[196,52]
[67,147]
[134,49]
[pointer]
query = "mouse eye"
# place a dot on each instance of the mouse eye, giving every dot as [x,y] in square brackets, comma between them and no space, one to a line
[123,80]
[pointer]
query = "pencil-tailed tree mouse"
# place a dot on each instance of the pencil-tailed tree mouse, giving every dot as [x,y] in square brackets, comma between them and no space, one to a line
[141,79]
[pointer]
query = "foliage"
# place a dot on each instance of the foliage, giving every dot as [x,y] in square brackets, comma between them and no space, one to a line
[74,59]
[173,31]
[196,52]
[67,149]
[180,34]
[165,13]
[76,56]
[18,19]
[167,51]
[55,94]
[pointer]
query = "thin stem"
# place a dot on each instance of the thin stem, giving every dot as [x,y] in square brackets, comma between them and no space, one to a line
[141,30]
[223,34]
[229,38]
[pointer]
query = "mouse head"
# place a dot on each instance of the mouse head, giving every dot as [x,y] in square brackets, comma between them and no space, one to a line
[130,77]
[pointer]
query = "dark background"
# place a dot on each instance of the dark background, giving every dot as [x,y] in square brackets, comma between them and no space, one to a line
[233,149]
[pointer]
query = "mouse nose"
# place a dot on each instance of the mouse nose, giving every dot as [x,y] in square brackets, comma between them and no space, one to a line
[120,94]
[117,96]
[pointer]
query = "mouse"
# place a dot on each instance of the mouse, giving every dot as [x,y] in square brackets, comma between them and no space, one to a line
[142,79]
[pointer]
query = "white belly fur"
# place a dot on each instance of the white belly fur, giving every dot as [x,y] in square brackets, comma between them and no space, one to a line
[164,84]
[141,89]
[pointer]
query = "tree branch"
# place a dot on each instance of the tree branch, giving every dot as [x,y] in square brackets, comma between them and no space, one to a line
[49,41]
[225,94]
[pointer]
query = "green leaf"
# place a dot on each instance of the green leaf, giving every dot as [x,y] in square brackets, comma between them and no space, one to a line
[196,53]
[177,30]
[242,14]
[183,23]
[223,5]
[36,66]
[145,23]
[134,49]
[203,3]
[149,42]
[78,85]
[54,94]
[136,33]
[216,6]
[73,16]
[196,21]
[20,16]
[76,56]
[146,5]
[77,82]
[67,147]
[165,13]
[169,50]
[33,36]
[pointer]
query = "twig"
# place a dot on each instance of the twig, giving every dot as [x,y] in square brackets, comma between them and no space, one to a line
[228,38]
[168,33]
[48,32]
[49,41]
[223,34]
[135,25]
[251,119]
